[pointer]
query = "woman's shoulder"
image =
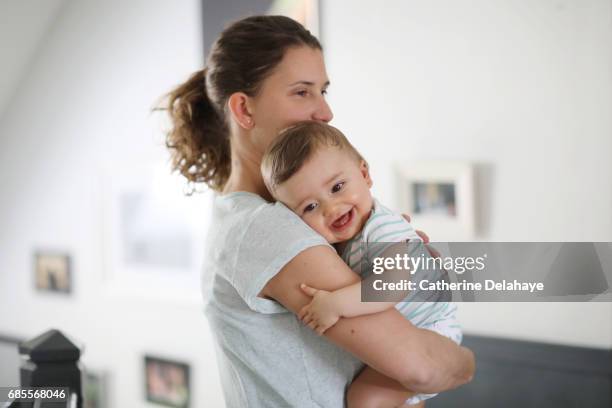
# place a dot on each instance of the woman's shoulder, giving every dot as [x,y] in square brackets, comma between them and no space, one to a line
[247,206]
[250,240]
[247,215]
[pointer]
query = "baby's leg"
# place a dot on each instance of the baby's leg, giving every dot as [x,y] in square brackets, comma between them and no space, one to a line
[372,389]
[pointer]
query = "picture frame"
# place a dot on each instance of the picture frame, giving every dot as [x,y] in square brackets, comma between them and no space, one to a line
[306,12]
[11,359]
[217,15]
[439,197]
[153,233]
[52,272]
[95,389]
[167,382]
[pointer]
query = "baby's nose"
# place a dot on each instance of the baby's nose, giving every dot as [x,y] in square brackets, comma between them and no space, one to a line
[331,210]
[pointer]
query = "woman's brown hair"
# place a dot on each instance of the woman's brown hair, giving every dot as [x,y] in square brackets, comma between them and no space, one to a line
[240,59]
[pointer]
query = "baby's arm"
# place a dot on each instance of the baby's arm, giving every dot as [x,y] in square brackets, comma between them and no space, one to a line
[326,308]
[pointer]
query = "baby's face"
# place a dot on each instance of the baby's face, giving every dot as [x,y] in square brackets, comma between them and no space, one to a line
[331,193]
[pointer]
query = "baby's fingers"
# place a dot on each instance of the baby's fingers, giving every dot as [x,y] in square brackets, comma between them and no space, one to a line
[303,312]
[308,290]
[310,320]
[307,318]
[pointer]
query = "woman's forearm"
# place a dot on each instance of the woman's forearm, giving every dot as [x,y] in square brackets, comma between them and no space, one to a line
[419,359]
[385,341]
[442,364]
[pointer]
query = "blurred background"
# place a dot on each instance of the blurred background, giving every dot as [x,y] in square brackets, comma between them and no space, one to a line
[521,90]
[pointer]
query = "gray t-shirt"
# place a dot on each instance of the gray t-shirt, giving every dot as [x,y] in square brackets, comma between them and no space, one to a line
[266,357]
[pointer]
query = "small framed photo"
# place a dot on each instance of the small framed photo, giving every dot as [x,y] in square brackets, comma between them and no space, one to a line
[52,272]
[167,382]
[95,389]
[439,197]
[153,234]
[218,14]
[305,12]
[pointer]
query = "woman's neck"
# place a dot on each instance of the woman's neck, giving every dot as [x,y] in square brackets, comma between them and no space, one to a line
[245,174]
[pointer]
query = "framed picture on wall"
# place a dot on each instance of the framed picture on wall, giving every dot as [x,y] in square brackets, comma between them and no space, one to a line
[306,12]
[52,272]
[95,389]
[167,382]
[153,233]
[439,197]
[216,15]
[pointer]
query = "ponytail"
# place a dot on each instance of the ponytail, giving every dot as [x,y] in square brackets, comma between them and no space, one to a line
[241,58]
[199,139]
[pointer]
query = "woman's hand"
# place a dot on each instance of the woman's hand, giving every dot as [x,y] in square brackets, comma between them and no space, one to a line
[322,312]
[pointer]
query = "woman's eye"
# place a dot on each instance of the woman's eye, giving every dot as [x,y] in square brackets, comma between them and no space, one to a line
[310,207]
[337,187]
[324,92]
[302,93]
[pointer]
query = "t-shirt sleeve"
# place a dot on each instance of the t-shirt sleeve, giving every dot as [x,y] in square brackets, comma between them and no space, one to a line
[274,236]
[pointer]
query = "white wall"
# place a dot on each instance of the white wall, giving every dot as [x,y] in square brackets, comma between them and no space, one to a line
[27,21]
[521,88]
[84,106]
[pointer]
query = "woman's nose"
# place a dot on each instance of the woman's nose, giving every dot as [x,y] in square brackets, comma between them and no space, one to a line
[323,112]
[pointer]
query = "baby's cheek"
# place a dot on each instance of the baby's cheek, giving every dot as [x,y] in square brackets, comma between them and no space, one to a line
[314,223]
[361,198]
[365,201]
[326,233]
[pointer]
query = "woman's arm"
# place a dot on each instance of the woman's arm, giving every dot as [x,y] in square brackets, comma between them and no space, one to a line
[420,360]
[326,307]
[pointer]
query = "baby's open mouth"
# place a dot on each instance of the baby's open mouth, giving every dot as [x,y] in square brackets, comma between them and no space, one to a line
[344,220]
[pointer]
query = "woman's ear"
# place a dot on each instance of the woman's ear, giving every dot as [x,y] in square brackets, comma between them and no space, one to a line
[365,172]
[238,104]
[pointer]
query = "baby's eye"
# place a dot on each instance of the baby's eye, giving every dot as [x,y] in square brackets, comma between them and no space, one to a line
[337,187]
[310,207]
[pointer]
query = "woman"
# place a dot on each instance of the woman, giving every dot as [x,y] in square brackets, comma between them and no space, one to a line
[263,74]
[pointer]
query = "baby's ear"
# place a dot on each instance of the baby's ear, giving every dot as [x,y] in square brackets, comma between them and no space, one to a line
[365,172]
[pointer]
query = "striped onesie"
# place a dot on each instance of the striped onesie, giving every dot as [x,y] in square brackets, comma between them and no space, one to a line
[385,226]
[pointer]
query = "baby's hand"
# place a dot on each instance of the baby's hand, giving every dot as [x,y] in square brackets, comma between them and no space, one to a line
[321,313]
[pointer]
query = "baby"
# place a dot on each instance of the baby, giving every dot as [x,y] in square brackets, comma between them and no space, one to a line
[314,170]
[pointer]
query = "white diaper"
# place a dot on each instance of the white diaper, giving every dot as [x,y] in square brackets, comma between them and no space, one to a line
[450,328]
